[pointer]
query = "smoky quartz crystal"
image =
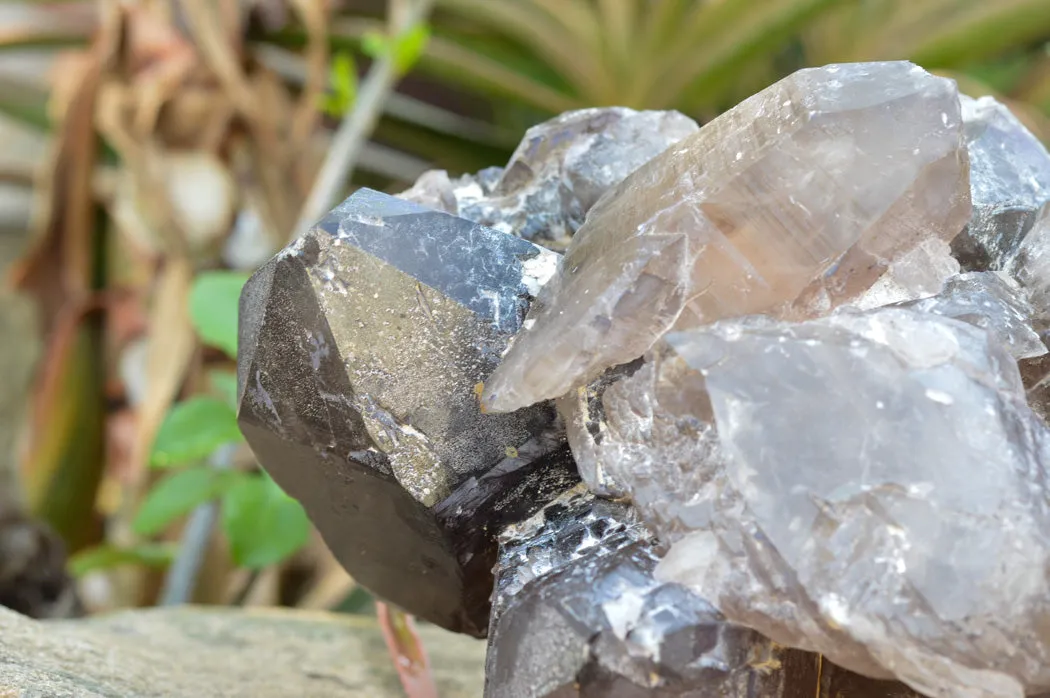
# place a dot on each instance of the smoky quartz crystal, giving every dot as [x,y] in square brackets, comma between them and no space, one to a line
[363,347]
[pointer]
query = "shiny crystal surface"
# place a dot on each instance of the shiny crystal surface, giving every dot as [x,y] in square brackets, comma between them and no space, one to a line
[870,485]
[558,172]
[793,202]
[651,433]
[989,300]
[602,627]
[1030,266]
[583,412]
[1009,182]
[363,345]
[919,273]
[575,525]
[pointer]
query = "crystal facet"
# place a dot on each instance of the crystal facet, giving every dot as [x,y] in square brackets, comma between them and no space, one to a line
[793,202]
[991,301]
[1031,267]
[918,273]
[1009,183]
[869,486]
[363,345]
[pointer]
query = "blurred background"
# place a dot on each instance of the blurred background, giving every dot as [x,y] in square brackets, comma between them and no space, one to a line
[153,153]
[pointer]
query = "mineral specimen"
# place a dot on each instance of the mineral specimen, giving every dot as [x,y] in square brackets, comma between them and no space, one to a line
[362,348]
[793,202]
[870,485]
[814,428]
[559,171]
[1009,184]
[596,624]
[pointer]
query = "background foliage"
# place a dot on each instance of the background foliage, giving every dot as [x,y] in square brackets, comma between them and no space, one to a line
[157,152]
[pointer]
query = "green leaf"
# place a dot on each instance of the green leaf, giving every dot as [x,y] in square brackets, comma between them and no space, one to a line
[213,308]
[343,84]
[192,430]
[409,46]
[263,524]
[344,77]
[224,384]
[406,48]
[375,44]
[180,493]
[105,557]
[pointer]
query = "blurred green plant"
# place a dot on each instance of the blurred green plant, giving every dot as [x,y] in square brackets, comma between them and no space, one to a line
[262,524]
[342,85]
[703,56]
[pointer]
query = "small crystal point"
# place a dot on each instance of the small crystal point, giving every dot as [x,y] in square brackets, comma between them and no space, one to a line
[792,202]
[1009,183]
[557,173]
[992,301]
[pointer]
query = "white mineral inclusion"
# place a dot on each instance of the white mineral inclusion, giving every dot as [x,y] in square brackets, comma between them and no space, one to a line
[537,271]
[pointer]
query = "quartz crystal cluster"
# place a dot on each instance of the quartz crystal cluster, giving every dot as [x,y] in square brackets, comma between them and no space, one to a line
[798,357]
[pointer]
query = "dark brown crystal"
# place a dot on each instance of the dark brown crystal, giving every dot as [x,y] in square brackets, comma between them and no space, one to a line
[363,346]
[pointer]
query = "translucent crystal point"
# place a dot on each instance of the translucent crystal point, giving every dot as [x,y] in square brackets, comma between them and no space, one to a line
[793,202]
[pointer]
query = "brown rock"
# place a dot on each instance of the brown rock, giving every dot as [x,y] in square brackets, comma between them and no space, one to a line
[218,653]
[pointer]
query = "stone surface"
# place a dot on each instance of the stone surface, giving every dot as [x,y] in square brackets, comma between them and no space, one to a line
[871,486]
[362,349]
[558,172]
[793,202]
[174,653]
[1009,183]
